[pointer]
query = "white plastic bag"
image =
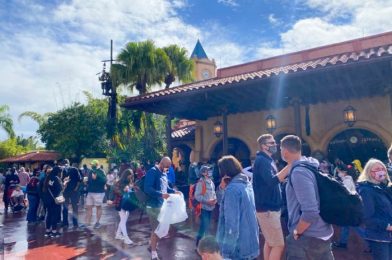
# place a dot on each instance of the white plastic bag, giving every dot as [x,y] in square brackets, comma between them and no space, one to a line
[162,230]
[173,210]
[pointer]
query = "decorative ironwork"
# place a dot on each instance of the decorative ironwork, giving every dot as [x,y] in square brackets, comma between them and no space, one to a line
[218,129]
[106,82]
[271,123]
[349,116]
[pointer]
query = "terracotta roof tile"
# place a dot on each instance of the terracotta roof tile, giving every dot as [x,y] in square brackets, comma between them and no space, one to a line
[305,65]
[36,156]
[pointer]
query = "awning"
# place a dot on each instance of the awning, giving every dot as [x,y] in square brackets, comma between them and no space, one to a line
[334,72]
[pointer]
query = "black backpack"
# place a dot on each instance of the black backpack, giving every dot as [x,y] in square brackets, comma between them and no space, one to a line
[337,205]
[139,191]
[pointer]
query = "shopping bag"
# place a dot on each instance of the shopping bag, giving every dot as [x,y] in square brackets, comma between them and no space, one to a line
[173,210]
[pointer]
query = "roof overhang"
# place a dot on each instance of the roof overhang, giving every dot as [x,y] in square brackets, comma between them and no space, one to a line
[342,76]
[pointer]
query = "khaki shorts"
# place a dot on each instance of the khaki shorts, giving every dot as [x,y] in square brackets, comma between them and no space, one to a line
[94,199]
[271,227]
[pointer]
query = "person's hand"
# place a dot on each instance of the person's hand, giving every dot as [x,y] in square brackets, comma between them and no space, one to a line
[223,182]
[211,202]
[178,192]
[389,227]
[165,195]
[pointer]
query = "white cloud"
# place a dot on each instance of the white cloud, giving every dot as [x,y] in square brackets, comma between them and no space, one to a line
[228,2]
[360,18]
[54,53]
[273,20]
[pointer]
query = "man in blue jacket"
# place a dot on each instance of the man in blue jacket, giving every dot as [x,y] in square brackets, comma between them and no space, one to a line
[156,186]
[268,197]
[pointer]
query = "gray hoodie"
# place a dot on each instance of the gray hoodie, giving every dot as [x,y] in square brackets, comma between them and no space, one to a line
[209,195]
[303,201]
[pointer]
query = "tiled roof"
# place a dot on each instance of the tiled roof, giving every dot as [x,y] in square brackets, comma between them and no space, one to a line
[180,133]
[347,52]
[36,156]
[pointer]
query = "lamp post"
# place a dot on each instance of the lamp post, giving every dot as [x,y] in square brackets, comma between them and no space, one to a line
[271,123]
[349,116]
[108,89]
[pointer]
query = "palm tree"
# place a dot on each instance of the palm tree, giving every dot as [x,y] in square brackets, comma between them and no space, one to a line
[181,66]
[6,121]
[37,117]
[141,65]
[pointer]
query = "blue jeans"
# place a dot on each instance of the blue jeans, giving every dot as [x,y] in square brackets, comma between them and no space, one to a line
[33,207]
[381,250]
[345,232]
[72,198]
[205,220]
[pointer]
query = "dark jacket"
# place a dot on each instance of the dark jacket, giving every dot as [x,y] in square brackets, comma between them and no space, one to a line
[52,190]
[11,179]
[97,185]
[74,180]
[377,201]
[156,184]
[266,186]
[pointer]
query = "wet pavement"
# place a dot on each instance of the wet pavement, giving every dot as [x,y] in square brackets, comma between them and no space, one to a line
[22,241]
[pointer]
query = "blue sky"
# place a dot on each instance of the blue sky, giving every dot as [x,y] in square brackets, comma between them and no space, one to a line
[51,50]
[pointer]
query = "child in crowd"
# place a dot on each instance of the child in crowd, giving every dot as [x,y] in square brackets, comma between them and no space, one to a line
[17,195]
[208,249]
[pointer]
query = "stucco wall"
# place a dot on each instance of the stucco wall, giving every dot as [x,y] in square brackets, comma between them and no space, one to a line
[373,114]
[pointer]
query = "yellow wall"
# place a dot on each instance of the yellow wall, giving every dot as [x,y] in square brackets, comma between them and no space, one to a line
[373,114]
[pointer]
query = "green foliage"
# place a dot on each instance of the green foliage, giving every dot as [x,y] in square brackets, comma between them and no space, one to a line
[6,122]
[11,147]
[76,131]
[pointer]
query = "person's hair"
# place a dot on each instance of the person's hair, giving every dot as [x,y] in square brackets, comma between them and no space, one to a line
[55,172]
[124,180]
[263,138]
[208,244]
[390,151]
[365,174]
[292,143]
[229,166]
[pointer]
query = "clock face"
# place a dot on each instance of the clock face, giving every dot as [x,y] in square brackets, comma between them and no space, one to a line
[205,74]
[353,139]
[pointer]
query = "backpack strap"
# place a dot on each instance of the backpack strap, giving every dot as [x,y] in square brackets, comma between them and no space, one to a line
[304,165]
[203,187]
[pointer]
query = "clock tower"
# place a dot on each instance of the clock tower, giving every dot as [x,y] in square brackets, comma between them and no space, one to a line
[204,67]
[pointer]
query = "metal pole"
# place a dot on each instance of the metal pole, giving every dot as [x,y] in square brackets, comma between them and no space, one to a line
[225,146]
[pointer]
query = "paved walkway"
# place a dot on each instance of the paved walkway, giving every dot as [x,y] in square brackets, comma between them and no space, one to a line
[22,241]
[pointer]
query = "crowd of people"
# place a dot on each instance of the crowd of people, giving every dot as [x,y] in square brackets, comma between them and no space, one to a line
[263,197]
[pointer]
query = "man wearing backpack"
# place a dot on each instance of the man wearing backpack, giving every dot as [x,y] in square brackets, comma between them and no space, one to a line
[206,196]
[157,188]
[310,236]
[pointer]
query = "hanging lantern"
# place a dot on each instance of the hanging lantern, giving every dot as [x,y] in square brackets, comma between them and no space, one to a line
[218,129]
[349,116]
[271,123]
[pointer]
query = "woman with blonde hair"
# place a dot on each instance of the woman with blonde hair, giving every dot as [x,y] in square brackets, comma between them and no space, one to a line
[375,190]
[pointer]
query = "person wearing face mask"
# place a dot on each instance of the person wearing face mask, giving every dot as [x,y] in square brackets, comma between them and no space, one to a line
[348,182]
[268,198]
[374,188]
[205,194]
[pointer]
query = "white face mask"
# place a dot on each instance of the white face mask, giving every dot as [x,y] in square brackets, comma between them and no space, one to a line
[341,175]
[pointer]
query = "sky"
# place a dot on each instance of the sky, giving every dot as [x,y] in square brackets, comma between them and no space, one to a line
[51,50]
